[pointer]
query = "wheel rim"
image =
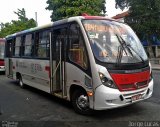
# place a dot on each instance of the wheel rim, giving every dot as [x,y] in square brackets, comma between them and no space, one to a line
[82,102]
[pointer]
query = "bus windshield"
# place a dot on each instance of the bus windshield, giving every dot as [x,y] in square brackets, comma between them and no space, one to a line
[114,42]
[2,47]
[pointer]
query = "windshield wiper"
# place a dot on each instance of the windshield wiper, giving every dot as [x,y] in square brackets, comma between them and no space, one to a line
[129,48]
[122,48]
[119,56]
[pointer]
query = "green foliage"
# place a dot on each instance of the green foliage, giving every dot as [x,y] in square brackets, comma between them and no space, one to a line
[21,15]
[17,25]
[67,8]
[144,14]
[121,4]
[144,19]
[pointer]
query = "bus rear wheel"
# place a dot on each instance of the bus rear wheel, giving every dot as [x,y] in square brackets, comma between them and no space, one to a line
[80,102]
[20,82]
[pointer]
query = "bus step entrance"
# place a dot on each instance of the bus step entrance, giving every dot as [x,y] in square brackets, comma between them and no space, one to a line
[58,93]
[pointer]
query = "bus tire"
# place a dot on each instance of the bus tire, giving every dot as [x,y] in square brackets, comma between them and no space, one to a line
[20,82]
[80,102]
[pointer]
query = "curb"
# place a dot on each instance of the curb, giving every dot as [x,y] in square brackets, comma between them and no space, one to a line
[155,68]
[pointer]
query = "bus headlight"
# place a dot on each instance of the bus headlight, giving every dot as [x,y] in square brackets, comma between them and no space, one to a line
[107,82]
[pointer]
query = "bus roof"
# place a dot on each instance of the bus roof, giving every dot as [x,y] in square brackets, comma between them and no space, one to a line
[59,22]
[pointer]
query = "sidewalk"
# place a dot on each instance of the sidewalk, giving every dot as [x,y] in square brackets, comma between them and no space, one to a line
[155,66]
[155,63]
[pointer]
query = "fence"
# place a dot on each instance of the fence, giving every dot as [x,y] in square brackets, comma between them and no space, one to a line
[153,53]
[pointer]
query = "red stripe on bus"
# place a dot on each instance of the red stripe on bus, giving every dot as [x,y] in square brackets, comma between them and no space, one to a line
[126,82]
[94,17]
[97,17]
[47,68]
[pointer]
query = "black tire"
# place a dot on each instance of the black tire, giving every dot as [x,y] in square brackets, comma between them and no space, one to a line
[20,82]
[80,103]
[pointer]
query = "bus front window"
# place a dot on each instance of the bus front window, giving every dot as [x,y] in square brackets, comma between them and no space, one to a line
[114,42]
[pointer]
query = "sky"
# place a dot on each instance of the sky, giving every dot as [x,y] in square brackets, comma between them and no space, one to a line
[32,6]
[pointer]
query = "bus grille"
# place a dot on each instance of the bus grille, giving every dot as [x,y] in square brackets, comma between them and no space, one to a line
[133,86]
[131,81]
[128,97]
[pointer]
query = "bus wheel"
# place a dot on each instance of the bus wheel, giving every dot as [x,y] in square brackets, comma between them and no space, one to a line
[20,82]
[80,102]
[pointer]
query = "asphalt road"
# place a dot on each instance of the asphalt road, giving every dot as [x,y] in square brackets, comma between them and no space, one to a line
[30,104]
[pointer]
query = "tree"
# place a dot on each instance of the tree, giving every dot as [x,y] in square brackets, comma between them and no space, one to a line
[121,4]
[144,14]
[67,8]
[17,25]
[21,15]
[144,18]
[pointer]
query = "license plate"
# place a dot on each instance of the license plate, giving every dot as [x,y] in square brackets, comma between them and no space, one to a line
[136,97]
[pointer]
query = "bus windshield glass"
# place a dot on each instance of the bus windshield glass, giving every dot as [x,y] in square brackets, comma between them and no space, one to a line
[114,42]
[2,47]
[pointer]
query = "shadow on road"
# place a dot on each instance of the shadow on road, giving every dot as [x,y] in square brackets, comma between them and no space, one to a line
[44,95]
[112,114]
[98,115]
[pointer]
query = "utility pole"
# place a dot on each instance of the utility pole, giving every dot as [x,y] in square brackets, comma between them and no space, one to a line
[65,9]
[36,18]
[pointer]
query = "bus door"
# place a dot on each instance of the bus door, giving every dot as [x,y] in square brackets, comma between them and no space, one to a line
[58,85]
[8,60]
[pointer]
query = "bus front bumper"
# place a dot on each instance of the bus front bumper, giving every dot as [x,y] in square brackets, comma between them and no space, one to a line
[108,98]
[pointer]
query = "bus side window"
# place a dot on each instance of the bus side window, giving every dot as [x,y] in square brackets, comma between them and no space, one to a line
[77,50]
[28,44]
[42,44]
[59,36]
[17,47]
[9,49]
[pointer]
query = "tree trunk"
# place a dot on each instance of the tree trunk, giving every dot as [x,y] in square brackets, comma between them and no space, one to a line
[150,48]
[150,51]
